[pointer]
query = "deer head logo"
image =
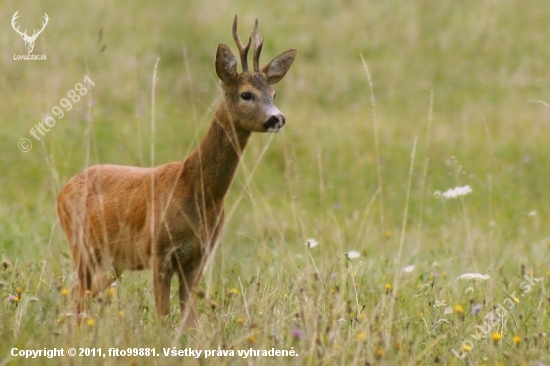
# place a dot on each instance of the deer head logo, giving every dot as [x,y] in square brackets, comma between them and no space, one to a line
[29,40]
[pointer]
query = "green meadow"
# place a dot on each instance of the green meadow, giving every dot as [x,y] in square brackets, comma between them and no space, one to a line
[389,106]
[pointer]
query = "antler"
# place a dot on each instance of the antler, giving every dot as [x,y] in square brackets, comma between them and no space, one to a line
[43,26]
[243,50]
[15,16]
[258,43]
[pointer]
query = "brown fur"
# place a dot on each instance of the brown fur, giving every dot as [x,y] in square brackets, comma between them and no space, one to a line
[168,218]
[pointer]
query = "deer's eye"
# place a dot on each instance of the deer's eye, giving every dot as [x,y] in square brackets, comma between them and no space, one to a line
[246,96]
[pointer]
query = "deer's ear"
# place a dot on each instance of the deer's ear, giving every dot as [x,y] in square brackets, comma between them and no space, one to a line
[277,68]
[226,64]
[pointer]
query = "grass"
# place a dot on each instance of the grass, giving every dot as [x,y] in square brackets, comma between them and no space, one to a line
[454,85]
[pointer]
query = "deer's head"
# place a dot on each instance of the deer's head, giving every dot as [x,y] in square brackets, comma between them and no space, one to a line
[29,40]
[249,95]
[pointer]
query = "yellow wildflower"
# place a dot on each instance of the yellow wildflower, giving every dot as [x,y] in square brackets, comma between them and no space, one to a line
[397,346]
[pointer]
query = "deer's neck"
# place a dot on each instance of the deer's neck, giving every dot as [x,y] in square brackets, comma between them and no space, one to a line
[215,161]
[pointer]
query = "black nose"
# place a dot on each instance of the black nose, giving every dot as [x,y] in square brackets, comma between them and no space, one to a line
[274,122]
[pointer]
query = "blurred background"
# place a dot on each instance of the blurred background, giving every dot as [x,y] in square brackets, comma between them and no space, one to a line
[477,70]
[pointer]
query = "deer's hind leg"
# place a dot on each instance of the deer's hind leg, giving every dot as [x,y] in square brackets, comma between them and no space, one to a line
[85,268]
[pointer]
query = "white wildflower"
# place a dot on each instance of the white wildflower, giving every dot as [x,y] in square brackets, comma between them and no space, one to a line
[469,290]
[448,310]
[311,243]
[409,268]
[473,276]
[352,254]
[439,303]
[456,192]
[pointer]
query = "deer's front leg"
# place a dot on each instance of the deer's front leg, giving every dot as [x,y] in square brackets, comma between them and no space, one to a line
[188,282]
[162,275]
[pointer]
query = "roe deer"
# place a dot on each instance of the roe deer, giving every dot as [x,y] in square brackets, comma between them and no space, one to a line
[168,217]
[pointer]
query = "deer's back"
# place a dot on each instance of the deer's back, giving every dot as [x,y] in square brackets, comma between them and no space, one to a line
[108,207]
